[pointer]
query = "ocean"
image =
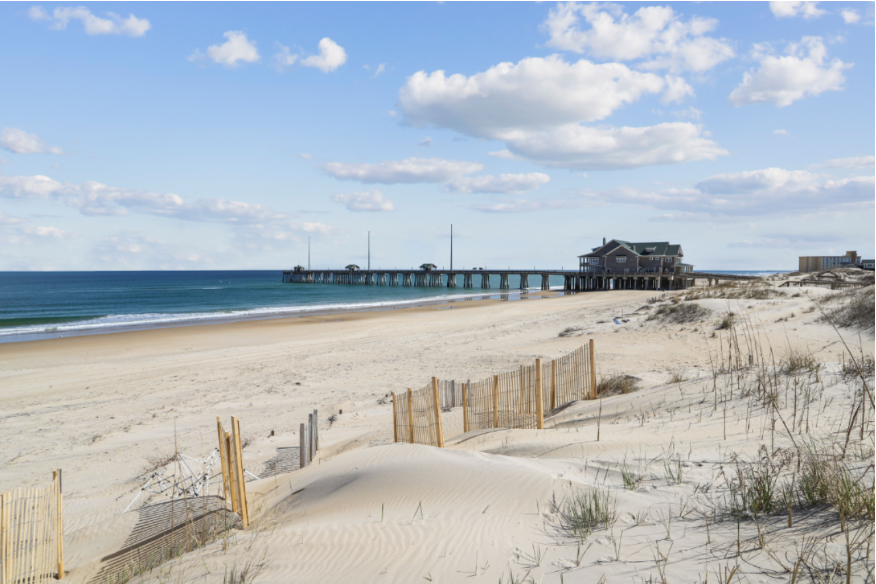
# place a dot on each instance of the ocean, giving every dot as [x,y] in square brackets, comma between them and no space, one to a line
[40,305]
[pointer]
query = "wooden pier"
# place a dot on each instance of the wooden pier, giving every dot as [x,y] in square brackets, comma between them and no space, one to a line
[572,280]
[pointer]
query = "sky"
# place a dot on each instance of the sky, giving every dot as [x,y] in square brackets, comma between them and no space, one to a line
[165,136]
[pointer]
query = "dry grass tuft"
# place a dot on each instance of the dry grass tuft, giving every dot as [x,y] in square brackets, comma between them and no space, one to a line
[680,313]
[852,308]
[617,384]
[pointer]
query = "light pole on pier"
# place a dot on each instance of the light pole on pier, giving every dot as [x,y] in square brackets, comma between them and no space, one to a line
[369,251]
[451,247]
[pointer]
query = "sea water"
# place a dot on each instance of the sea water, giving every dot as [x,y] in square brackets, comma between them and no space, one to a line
[37,305]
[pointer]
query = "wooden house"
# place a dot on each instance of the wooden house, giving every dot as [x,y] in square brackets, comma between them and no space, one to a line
[623,257]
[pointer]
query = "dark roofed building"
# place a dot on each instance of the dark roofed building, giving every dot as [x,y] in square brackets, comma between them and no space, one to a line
[624,257]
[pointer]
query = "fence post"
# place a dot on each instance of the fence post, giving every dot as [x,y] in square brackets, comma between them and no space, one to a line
[411,413]
[439,432]
[464,411]
[223,457]
[539,396]
[244,512]
[553,384]
[592,369]
[302,447]
[232,472]
[394,421]
[60,524]
[495,401]
[315,431]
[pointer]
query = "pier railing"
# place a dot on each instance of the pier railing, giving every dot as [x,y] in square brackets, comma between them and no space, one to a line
[514,399]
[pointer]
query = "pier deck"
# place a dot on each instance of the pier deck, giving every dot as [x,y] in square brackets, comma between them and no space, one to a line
[572,279]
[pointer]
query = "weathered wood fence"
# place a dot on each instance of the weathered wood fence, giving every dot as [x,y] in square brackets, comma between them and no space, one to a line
[308,440]
[31,534]
[515,399]
[233,480]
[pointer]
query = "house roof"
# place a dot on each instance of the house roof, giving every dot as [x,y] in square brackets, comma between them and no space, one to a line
[646,248]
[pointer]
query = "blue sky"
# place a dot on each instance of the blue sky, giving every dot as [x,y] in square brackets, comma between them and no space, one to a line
[223,136]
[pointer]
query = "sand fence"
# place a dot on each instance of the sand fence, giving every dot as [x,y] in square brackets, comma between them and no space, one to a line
[514,399]
[31,534]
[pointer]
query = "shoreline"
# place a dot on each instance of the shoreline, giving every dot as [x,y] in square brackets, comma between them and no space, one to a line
[504,296]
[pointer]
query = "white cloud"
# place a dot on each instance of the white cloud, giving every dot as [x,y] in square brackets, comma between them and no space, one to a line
[52,232]
[851,162]
[588,148]
[10,220]
[536,107]
[20,142]
[305,156]
[425,142]
[691,113]
[802,72]
[532,94]
[94,198]
[654,34]
[410,170]
[781,133]
[331,56]
[284,58]
[758,193]
[502,154]
[786,9]
[525,206]
[94,25]
[380,69]
[235,49]
[676,90]
[850,16]
[372,200]
[504,183]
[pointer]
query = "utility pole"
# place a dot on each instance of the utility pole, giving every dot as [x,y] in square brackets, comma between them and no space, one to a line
[369,251]
[308,253]
[451,247]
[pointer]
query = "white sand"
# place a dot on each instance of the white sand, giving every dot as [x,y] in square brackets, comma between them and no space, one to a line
[370,510]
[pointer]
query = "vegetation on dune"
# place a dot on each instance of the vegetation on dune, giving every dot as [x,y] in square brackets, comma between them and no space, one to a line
[680,313]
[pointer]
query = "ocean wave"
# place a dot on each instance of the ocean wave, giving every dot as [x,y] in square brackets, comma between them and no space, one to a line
[148,320]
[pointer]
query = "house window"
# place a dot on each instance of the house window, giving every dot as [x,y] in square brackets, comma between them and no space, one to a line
[593,260]
[668,260]
[650,249]
[655,259]
[621,259]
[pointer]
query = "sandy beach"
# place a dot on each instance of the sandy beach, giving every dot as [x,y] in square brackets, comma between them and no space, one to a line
[488,506]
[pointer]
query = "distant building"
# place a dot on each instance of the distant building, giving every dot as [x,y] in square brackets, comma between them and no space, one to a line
[623,257]
[867,264]
[428,267]
[352,268]
[298,269]
[821,263]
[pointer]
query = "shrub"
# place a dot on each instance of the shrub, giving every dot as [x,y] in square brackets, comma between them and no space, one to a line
[680,313]
[853,308]
[616,384]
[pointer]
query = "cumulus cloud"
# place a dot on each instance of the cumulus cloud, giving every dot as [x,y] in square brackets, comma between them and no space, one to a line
[537,105]
[803,71]
[502,154]
[532,94]
[20,142]
[807,10]
[781,133]
[590,148]
[236,48]
[331,56]
[410,170]
[758,193]
[94,25]
[372,200]
[851,162]
[654,35]
[850,16]
[94,198]
[504,183]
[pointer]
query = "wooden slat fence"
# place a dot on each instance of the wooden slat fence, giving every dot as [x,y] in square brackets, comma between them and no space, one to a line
[515,399]
[417,416]
[233,480]
[31,534]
